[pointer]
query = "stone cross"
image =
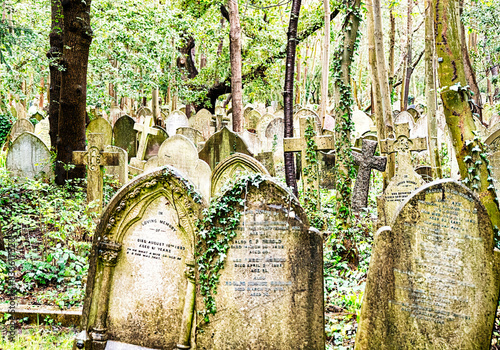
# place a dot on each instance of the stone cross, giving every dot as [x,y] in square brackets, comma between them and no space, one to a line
[146,129]
[299,144]
[403,145]
[366,161]
[95,158]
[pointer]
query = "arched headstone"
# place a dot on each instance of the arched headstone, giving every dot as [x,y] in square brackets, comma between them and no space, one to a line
[101,126]
[221,145]
[201,121]
[125,136]
[175,120]
[28,157]
[19,127]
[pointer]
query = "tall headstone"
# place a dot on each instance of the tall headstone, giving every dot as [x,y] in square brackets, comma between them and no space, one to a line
[362,123]
[434,275]
[270,293]
[232,167]
[194,135]
[146,129]
[175,120]
[120,171]
[180,153]
[95,158]
[42,129]
[155,142]
[201,122]
[305,113]
[101,126]
[125,136]
[29,158]
[405,180]
[141,288]
[20,126]
[221,145]
[366,160]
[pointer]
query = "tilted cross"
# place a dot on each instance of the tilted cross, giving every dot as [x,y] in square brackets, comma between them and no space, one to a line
[403,145]
[299,144]
[366,160]
[146,129]
[95,158]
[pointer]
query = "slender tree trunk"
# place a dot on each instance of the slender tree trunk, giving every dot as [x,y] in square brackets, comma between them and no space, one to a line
[76,40]
[288,91]
[405,87]
[456,106]
[235,50]
[392,45]
[431,96]
[325,63]
[54,55]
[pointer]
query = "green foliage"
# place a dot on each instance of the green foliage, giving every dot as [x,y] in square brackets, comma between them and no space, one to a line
[5,126]
[215,233]
[40,337]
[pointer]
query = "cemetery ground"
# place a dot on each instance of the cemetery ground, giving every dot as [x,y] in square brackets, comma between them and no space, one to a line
[54,242]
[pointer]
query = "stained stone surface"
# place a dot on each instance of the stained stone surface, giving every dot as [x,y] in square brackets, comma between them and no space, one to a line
[267,160]
[233,166]
[125,136]
[140,287]
[252,141]
[120,171]
[405,117]
[20,126]
[221,145]
[194,135]
[101,126]
[252,119]
[175,120]
[270,294]
[263,124]
[201,122]
[433,279]
[28,157]
[305,113]
[42,129]
[155,141]
[362,123]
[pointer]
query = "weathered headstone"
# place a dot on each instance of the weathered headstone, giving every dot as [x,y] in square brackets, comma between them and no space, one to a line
[201,122]
[310,178]
[42,129]
[155,142]
[101,126]
[20,126]
[232,167]
[252,118]
[252,141]
[194,135]
[146,129]
[221,145]
[267,160]
[262,126]
[28,157]
[425,171]
[362,123]
[141,286]
[305,113]
[405,117]
[95,158]
[366,160]
[405,180]
[175,120]
[120,171]
[125,136]
[180,153]
[434,275]
[142,113]
[270,293]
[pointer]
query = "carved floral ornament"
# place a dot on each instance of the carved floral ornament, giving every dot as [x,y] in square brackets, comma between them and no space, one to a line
[93,158]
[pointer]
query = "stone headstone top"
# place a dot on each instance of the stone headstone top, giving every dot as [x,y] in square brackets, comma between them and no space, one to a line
[306,113]
[362,123]
[252,140]
[192,134]
[19,127]
[125,136]
[201,122]
[233,166]
[142,113]
[175,120]
[252,119]
[434,275]
[29,158]
[221,145]
[405,117]
[42,129]
[155,142]
[101,126]
[270,293]
[493,141]
[120,171]
[140,288]
[263,124]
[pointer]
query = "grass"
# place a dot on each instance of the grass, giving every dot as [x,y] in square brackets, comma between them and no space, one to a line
[40,337]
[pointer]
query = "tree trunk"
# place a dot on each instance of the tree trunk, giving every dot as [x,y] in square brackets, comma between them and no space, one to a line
[392,45]
[76,40]
[235,51]
[456,106]
[325,63]
[288,91]
[430,93]
[54,55]
[405,87]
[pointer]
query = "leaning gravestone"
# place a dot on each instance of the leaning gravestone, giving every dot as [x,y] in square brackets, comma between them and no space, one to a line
[270,293]
[362,123]
[29,157]
[233,166]
[221,145]
[155,142]
[141,288]
[20,126]
[101,126]
[434,275]
[252,141]
[175,120]
[125,136]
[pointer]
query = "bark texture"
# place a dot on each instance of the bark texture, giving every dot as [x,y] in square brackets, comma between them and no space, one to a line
[325,63]
[235,51]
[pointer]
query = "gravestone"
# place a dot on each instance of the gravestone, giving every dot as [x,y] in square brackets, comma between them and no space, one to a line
[125,136]
[221,145]
[366,160]
[101,126]
[29,158]
[327,169]
[120,171]
[252,141]
[310,179]
[20,126]
[274,135]
[180,153]
[414,113]
[42,129]
[142,113]
[270,292]
[155,142]
[306,113]
[405,117]
[141,287]
[146,129]
[252,119]
[95,158]
[362,123]
[201,122]
[194,135]
[405,180]
[262,126]
[434,275]
[425,171]
[175,120]
[233,166]
[267,160]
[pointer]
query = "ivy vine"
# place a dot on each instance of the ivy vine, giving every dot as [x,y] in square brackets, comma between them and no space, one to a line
[216,231]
